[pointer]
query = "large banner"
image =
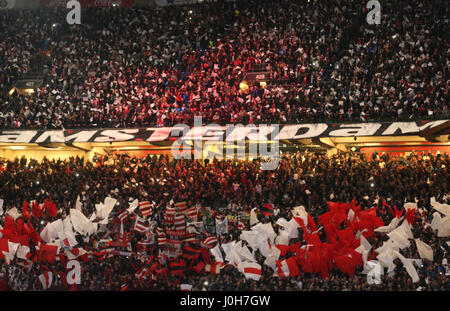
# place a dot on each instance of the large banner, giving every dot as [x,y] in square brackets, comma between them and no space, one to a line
[88,3]
[7,4]
[228,133]
[175,2]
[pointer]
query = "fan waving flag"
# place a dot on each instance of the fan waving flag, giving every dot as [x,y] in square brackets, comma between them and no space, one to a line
[122,215]
[145,208]
[215,267]
[288,267]
[141,274]
[46,279]
[221,226]
[25,212]
[267,209]
[181,206]
[210,242]
[169,215]
[162,240]
[189,237]
[192,213]
[141,225]
[52,211]
[36,209]
[251,270]
[179,222]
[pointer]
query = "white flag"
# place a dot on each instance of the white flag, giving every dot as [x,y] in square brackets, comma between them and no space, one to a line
[215,251]
[425,251]
[78,203]
[133,206]
[253,217]
[221,226]
[409,268]
[13,213]
[81,223]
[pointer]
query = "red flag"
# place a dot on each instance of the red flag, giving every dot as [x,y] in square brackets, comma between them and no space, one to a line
[325,218]
[199,267]
[302,259]
[4,247]
[390,208]
[333,207]
[47,253]
[345,264]
[346,235]
[288,267]
[311,238]
[52,211]
[331,232]
[25,213]
[36,210]
[356,258]
[410,214]
[33,234]
[311,224]
[19,226]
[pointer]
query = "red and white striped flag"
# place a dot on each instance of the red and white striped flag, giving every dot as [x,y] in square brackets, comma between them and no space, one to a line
[162,240]
[192,213]
[210,242]
[181,206]
[141,274]
[215,267]
[169,215]
[185,287]
[251,270]
[145,207]
[189,237]
[122,215]
[141,225]
[288,267]
[46,279]
[179,222]
[146,241]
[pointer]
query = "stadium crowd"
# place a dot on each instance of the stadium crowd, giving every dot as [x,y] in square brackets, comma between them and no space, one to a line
[232,188]
[136,67]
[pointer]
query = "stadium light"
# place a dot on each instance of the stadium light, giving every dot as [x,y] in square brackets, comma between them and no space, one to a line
[243,86]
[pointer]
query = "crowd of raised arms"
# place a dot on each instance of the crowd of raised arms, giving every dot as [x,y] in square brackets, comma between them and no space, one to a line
[136,67]
[222,187]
